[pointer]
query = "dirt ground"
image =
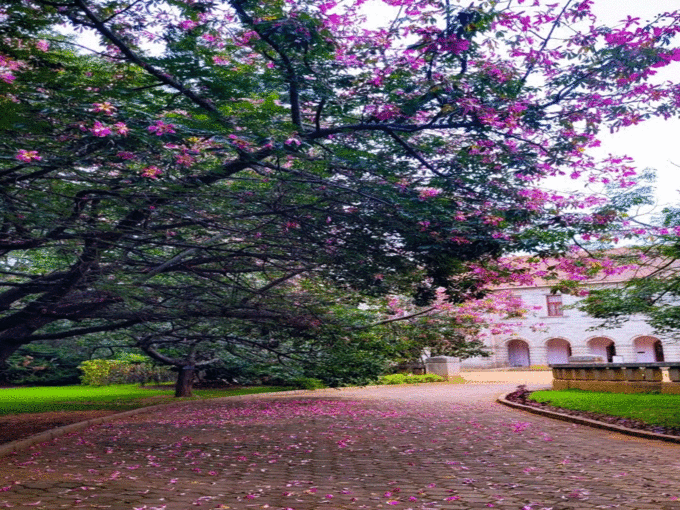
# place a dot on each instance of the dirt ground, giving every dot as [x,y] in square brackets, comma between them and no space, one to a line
[21,426]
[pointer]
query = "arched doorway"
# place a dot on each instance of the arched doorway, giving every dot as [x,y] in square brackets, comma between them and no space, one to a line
[648,349]
[558,351]
[518,353]
[602,346]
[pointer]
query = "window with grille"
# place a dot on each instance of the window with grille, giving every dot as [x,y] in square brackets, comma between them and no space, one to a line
[554,305]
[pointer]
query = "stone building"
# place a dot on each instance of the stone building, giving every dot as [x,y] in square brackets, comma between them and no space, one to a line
[556,331]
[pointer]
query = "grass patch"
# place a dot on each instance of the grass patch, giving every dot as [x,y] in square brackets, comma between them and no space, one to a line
[120,397]
[652,408]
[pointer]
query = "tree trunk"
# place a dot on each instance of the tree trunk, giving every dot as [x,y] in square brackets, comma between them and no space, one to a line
[185,381]
[7,348]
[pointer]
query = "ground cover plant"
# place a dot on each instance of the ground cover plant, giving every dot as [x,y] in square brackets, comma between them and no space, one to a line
[653,409]
[114,398]
[412,379]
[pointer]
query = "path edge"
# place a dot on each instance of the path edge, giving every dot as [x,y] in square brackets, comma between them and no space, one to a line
[588,422]
[19,445]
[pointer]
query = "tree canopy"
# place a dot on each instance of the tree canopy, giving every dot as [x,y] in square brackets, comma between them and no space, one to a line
[224,168]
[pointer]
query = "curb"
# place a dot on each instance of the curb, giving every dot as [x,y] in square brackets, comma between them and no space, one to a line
[23,444]
[588,422]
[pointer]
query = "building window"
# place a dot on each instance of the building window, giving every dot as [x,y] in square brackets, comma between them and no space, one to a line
[554,305]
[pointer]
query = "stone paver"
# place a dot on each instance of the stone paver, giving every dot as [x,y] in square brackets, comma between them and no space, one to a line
[419,447]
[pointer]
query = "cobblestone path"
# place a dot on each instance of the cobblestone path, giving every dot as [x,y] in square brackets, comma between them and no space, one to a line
[419,447]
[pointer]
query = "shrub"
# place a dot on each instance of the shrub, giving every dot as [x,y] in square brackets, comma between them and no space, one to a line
[409,379]
[425,378]
[392,379]
[103,372]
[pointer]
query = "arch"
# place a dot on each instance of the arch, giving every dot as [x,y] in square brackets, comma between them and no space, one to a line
[558,351]
[648,349]
[602,346]
[518,353]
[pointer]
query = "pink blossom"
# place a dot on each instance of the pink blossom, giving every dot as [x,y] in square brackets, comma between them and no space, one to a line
[42,45]
[326,6]
[425,193]
[104,107]
[100,130]
[27,156]
[220,61]
[184,160]
[188,24]
[152,172]
[383,112]
[7,77]
[160,128]
[121,128]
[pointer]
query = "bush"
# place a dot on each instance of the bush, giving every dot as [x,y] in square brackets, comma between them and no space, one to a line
[103,372]
[430,378]
[392,379]
[410,379]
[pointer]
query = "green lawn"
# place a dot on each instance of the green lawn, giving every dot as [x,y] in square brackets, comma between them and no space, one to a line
[650,408]
[116,398]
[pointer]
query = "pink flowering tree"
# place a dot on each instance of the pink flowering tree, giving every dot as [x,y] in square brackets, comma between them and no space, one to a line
[444,328]
[206,155]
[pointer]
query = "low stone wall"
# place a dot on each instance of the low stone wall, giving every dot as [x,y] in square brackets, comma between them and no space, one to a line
[445,366]
[617,377]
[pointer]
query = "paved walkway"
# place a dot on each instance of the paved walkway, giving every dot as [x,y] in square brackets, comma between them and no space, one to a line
[420,447]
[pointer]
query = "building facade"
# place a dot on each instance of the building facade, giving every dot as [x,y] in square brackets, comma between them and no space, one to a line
[556,331]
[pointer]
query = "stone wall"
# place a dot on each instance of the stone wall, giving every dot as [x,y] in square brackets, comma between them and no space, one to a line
[618,377]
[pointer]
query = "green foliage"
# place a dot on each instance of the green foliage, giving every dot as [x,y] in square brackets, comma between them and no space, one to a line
[307,383]
[410,379]
[650,408]
[654,294]
[131,357]
[346,364]
[233,370]
[105,372]
[44,364]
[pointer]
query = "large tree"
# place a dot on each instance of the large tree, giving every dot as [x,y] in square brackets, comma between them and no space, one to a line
[209,154]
